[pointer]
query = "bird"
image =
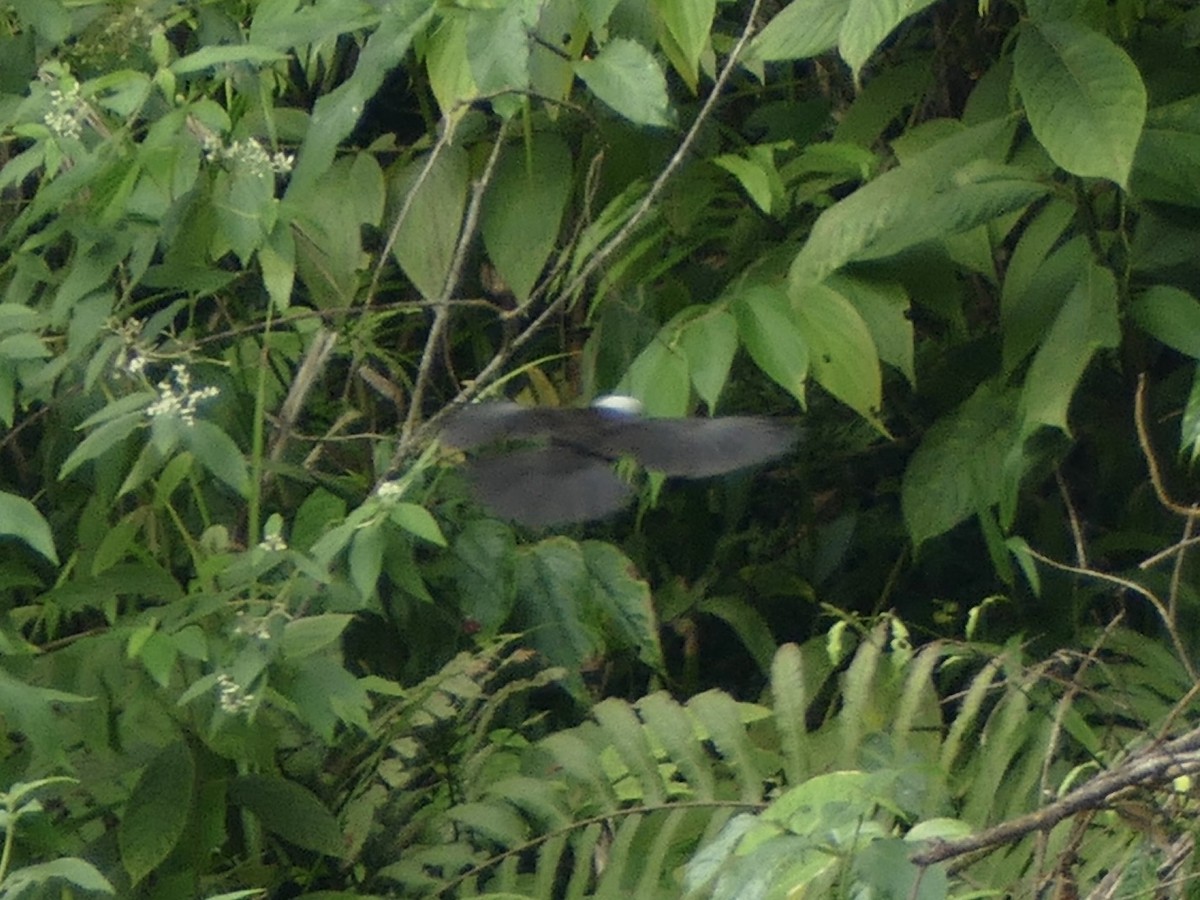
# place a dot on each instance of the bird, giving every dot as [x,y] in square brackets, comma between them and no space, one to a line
[569,477]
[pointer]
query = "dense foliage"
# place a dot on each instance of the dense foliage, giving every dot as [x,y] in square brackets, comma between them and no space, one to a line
[257,638]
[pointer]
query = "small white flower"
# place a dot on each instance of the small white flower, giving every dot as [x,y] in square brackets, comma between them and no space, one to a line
[179,399]
[232,697]
[67,112]
[273,542]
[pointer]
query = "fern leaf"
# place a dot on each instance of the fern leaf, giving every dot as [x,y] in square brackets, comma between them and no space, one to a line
[671,727]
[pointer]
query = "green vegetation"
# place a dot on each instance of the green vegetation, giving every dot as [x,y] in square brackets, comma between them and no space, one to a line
[258,640]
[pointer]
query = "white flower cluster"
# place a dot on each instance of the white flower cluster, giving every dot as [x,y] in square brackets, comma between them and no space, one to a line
[249,153]
[130,360]
[232,696]
[273,542]
[179,399]
[67,112]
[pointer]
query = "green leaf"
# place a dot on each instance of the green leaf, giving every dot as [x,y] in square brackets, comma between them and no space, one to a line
[842,355]
[246,210]
[802,29]
[303,637]
[103,438]
[157,811]
[624,601]
[884,307]
[417,520]
[497,47]
[277,260]
[953,472]
[484,571]
[366,559]
[1189,428]
[19,347]
[224,55]
[688,22]
[71,869]
[709,342]
[1084,98]
[770,329]
[659,378]
[217,452]
[1167,167]
[427,237]
[290,811]
[949,188]
[1086,323]
[20,519]
[1171,315]
[553,597]
[448,66]
[523,209]
[626,77]
[868,23]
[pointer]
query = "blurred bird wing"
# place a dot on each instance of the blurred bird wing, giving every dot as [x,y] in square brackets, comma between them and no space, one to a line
[485,423]
[698,448]
[547,486]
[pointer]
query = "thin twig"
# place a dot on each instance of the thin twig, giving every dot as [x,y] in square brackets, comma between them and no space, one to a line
[1158,605]
[1143,433]
[441,315]
[1073,518]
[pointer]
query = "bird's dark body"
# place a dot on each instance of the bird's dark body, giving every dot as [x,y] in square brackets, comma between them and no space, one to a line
[571,478]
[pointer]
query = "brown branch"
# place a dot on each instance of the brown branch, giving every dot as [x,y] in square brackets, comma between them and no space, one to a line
[1146,768]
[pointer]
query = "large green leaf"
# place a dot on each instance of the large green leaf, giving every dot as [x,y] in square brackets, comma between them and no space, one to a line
[427,237]
[953,472]
[867,23]
[1084,98]
[626,76]
[328,224]
[523,209]
[884,307]
[554,595]
[947,189]
[20,519]
[659,378]
[157,811]
[801,29]
[290,811]
[770,329]
[623,599]
[841,352]
[484,570]
[1086,323]
[709,341]
[1171,315]
[217,452]
[446,61]
[687,23]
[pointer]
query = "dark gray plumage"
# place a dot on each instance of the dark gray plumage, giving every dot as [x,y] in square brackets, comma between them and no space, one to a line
[571,479]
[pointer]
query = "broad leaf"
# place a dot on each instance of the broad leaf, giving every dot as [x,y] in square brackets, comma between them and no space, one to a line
[626,76]
[1086,323]
[157,811]
[802,29]
[20,519]
[768,326]
[842,355]
[1171,315]
[1084,98]
[953,472]
[523,209]
[290,811]
[709,341]
[868,23]
[428,234]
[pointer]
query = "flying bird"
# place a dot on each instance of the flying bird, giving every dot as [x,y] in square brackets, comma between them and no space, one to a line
[569,476]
